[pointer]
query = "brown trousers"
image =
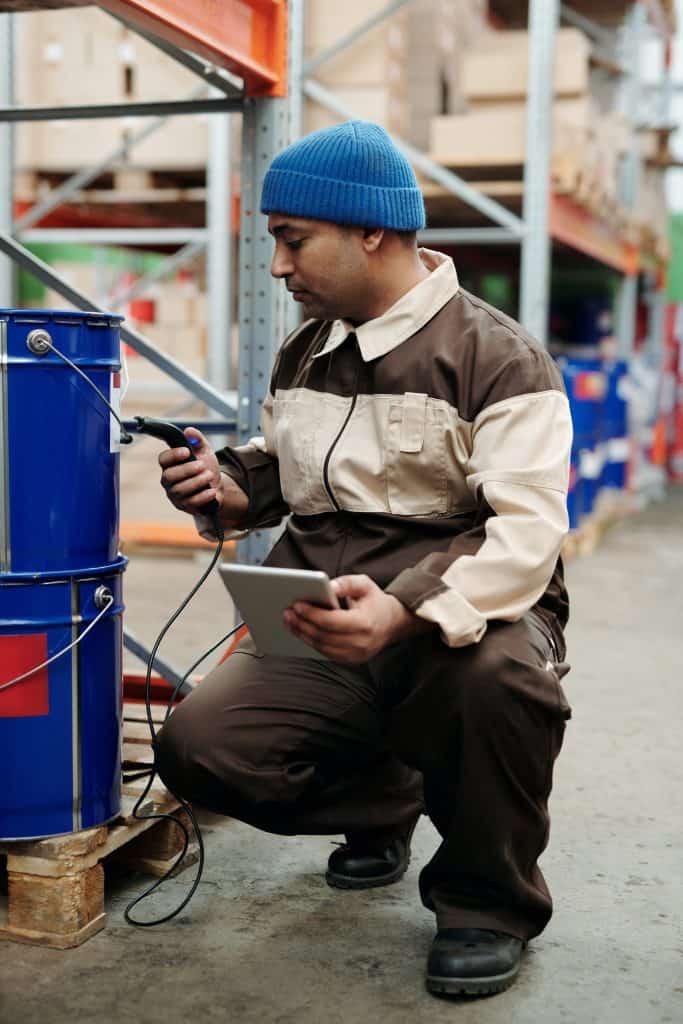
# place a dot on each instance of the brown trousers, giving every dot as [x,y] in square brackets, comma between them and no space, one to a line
[299,746]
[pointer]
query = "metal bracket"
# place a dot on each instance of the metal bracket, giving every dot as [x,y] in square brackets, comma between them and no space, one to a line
[152,109]
[39,342]
[102,597]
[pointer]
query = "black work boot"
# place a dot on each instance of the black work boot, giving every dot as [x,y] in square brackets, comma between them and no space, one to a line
[368,860]
[472,962]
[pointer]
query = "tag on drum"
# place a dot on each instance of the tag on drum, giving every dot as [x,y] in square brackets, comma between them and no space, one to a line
[115,401]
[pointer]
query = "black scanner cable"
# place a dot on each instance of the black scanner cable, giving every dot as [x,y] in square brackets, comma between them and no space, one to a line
[174,438]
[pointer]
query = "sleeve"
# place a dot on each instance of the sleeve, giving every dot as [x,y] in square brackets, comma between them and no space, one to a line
[255,468]
[518,472]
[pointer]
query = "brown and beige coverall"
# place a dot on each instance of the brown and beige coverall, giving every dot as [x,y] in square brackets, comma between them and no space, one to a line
[429,449]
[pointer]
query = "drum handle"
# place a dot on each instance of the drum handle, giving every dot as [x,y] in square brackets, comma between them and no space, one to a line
[39,342]
[101,594]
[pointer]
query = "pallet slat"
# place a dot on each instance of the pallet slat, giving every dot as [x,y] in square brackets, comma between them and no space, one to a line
[56,885]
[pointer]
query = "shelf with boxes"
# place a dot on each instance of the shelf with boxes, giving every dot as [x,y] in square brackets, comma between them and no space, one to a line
[513,13]
[432,72]
[487,144]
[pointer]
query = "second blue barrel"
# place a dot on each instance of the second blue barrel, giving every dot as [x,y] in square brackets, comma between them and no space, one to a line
[60,727]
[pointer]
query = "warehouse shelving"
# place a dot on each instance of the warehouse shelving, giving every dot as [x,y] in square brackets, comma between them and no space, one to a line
[248,39]
[266,55]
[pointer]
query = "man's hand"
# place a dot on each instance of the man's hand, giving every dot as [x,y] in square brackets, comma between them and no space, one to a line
[190,485]
[371,621]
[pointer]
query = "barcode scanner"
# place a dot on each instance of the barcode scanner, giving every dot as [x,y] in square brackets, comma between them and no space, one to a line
[174,438]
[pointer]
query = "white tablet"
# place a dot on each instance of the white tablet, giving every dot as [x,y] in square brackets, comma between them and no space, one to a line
[262,594]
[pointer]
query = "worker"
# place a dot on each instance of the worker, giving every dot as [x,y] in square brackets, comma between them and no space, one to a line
[419,441]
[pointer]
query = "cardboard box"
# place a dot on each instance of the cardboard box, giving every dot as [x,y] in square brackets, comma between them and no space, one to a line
[65,146]
[498,67]
[366,61]
[440,33]
[67,58]
[495,134]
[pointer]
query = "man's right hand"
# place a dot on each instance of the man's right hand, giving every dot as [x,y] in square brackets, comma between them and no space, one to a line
[190,485]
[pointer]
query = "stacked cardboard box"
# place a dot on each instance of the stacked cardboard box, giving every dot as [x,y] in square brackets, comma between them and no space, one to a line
[364,76]
[67,57]
[402,72]
[652,214]
[589,140]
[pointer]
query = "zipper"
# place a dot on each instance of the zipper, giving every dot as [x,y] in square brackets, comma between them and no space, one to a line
[326,464]
[342,546]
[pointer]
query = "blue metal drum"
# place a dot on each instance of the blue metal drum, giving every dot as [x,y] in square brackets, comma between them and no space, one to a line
[574,492]
[59,461]
[615,426]
[585,383]
[60,728]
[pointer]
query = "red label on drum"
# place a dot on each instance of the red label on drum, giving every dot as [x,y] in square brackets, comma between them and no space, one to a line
[19,654]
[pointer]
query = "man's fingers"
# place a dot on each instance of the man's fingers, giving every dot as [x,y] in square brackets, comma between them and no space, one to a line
[353,586]
[188,484]
[196,501]
[329,621]
[325,643]
[176,474]
[173,456]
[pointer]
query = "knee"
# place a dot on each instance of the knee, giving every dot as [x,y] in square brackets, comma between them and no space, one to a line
[175,748]
[470,680]
[229,764]
[482,677]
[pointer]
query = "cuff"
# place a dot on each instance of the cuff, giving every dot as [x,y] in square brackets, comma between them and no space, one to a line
[206,531]
[428,597]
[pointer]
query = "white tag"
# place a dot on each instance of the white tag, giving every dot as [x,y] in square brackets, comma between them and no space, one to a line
[591,462]
[53,52]
[618,449]
[115,402]
[127,51]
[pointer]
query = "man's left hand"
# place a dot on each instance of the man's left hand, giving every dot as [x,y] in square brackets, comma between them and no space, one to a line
[371,621]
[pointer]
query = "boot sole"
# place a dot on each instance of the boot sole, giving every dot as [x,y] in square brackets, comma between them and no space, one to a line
[346,882]
[472,986]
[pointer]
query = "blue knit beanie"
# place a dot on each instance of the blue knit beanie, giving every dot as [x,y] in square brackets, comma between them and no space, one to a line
[351,173]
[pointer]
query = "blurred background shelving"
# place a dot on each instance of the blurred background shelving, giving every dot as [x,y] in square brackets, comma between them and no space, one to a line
[125,209]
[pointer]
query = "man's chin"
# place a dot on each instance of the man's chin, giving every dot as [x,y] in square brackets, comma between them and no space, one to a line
[313,311]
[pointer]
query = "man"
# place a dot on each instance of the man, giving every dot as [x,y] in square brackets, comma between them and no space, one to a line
[420,441]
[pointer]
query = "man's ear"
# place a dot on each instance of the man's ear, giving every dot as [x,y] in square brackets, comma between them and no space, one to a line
[372,239]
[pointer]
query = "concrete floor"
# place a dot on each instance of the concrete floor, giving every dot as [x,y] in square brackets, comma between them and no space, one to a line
[266,941]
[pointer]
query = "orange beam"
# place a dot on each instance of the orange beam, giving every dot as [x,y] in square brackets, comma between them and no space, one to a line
[576,227]
[248,37]
[166,535]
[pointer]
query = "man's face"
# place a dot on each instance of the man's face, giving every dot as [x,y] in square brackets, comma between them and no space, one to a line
[322,264]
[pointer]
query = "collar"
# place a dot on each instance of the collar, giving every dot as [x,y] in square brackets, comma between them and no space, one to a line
[412,311]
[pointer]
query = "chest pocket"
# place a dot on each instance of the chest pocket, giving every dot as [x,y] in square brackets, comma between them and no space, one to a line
[294,430]
[416,477]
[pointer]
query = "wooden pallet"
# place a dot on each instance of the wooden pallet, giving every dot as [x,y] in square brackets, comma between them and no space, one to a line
[55,886]
[610,510]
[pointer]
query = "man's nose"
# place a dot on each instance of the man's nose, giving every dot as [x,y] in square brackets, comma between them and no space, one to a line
[281,265]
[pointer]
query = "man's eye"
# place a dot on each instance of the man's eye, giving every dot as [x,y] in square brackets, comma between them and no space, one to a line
[294,243]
